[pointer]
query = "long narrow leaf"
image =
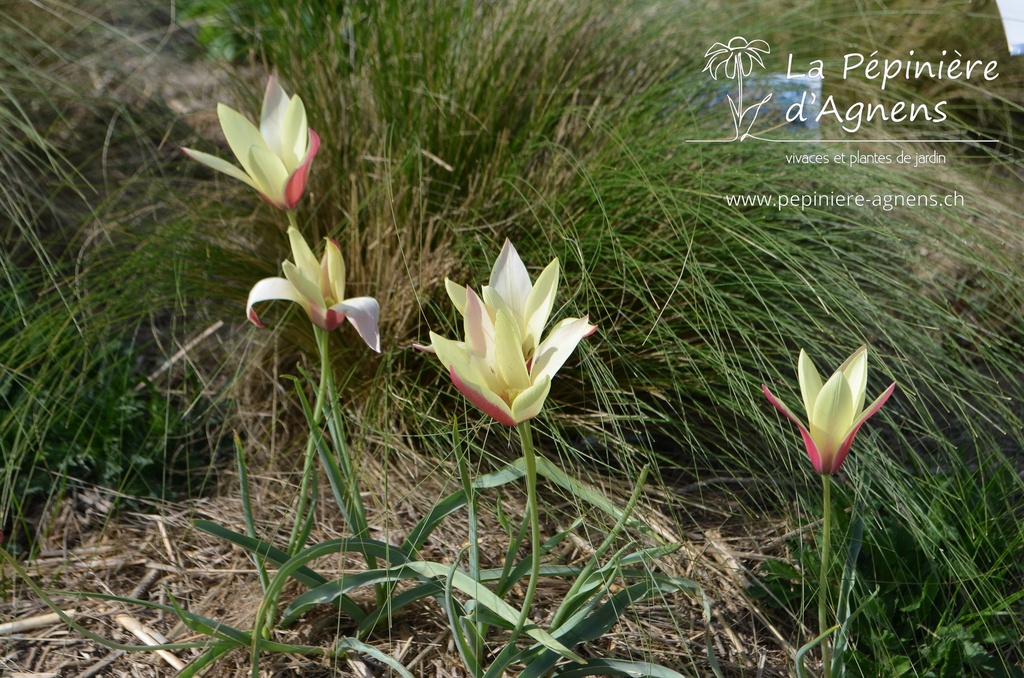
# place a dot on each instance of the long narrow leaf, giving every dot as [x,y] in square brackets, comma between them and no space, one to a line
[428,523]
[617,667]
[582,628]
[452,503]
[331,591]
[202,661]
[845,589]
[487,598]
[303,574]
[355,645]
[247,515]
[455,622]
[428,589]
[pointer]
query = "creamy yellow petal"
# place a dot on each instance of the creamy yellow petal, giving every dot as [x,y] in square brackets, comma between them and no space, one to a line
[334,271]
[810,382]
[272,115]
[559,345]
[303,256]
[213,162]
[485,399]
[855,369]
[538,306]
[450,352]
[509,354]
[832,417]
[457,293]
[241,136]
[495,303]
[294,135]
[270,175]
[530,402]
[306,287]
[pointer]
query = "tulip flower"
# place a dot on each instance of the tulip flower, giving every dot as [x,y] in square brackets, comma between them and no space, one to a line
[835,410]
[503,367]
[276,157]
[319,287]
[510,289]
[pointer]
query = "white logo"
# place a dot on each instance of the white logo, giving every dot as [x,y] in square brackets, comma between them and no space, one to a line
[736,60]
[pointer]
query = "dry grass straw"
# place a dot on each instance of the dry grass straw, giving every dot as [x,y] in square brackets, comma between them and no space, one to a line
[86,551]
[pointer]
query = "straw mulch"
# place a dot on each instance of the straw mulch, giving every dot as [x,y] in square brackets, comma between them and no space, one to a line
[158,554]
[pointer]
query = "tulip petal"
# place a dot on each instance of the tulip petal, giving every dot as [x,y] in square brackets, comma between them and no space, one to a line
[778,404]
[454,355]
[269,289]
[495,303]
[867,414]
[363,313]
[510,279]
[303,285]
[508,353]
[486,400]
[530,402]
[833,414]
[220,165]
[559,345]
[809,445]
[296,185]
[478,328]
[333,267]
[272,115]
[241,136]
[294,134]
[270,175]
[855,369]
[305,260]
[538,306]
[450,352]
[457,293]
[810,383]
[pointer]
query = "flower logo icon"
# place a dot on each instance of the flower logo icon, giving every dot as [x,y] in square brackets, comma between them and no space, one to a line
[736,59]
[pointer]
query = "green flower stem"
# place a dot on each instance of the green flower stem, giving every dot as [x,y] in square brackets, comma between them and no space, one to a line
[530,464]
[355,512]
[474,536]
[323,346]
[826,539]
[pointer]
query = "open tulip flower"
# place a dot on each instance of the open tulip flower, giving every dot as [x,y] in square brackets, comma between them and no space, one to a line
[510,289]
[276,157]
[319,287]
[503,367]
[835,410]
